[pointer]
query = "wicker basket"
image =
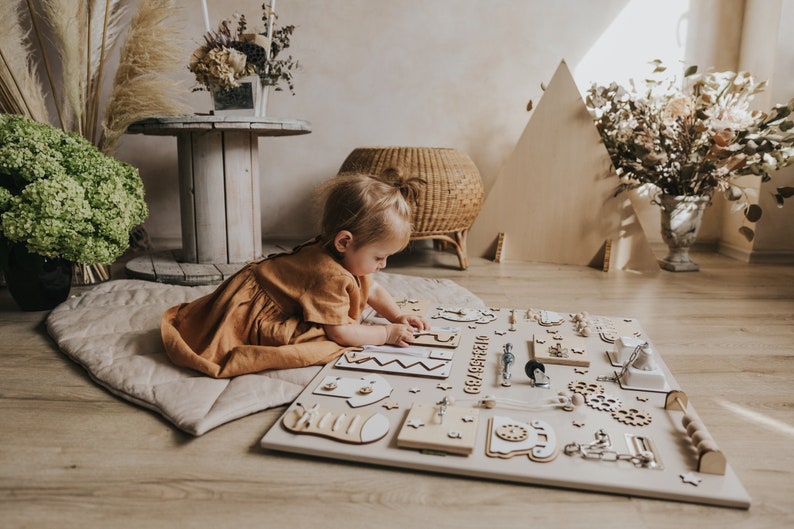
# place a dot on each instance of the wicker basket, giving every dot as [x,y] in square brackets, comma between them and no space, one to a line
[447,206]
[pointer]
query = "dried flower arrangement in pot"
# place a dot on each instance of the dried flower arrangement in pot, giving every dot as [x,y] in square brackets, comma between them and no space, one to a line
[231,58]
[689,140]
[61,198]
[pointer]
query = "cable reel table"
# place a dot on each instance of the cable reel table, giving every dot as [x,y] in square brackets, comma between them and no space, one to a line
[218,193]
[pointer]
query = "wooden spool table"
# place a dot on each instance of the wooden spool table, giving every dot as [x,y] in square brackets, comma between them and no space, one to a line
[218,193]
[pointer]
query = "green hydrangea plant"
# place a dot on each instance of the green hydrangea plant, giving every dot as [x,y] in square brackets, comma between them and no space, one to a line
[61,197]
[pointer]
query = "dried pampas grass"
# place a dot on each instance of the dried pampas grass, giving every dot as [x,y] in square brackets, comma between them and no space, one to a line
[67,23]
[142,86]
[104,29]
[85,30]
[21,91]
[83,33]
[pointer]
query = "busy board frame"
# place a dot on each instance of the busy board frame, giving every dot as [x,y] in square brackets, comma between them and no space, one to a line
[684,467]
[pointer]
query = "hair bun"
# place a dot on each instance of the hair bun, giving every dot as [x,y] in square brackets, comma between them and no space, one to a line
[410,187]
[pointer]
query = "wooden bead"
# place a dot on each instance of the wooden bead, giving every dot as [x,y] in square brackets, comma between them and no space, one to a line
[577,399]
[700,436]
[685,420]
[693,427]
[707,445]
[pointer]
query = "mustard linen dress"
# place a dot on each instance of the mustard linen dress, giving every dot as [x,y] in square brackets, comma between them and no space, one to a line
[269,315]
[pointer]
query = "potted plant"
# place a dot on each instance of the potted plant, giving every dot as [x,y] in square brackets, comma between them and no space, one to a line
[687,141]
[238,66]
[114,70]
[61,201]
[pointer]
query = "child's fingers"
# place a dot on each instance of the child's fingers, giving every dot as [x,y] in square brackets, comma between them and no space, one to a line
[400,334]
[419,324]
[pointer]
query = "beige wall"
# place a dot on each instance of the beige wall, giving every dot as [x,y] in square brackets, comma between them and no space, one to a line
[767,50]
[775,230]
[455,73]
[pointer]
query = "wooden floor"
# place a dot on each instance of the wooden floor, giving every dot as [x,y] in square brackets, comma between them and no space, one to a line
[72,455]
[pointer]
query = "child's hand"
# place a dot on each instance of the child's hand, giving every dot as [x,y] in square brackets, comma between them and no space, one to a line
[399,334]
[417,322]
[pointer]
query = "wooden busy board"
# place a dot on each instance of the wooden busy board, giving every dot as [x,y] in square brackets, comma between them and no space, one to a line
[469,417]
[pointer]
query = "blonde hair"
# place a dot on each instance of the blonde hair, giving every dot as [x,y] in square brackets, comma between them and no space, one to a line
[372,208]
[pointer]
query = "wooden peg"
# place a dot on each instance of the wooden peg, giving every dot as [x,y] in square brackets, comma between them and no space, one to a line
[676,400]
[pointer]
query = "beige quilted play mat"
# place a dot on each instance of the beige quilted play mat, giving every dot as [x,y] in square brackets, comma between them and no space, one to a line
[113,331]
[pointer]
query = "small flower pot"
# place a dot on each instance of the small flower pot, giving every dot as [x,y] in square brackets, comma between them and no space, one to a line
[248,99]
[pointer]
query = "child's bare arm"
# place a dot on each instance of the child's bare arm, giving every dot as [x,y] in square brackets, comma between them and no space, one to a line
[380,300]
[399,332]
[355,334]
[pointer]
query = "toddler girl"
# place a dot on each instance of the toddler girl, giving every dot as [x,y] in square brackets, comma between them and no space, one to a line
[303,307]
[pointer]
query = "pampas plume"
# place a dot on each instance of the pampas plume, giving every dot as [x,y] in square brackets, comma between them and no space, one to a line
[84,32]
[21,91]
[104,30]
[142,86]
[67,23]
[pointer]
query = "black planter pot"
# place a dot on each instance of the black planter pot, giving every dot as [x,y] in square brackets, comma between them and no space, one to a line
[36,282]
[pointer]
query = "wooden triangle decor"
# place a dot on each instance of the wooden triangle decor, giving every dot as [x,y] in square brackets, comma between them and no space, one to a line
[553,199]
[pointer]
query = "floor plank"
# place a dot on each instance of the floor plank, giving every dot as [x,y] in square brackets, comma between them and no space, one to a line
[73,455]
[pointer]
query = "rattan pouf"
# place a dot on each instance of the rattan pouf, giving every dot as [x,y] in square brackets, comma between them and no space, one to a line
[447,206]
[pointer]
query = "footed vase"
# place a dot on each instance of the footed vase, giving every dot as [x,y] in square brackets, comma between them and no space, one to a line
[681,218]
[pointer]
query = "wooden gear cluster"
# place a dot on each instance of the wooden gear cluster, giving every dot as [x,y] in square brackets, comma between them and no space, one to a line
[450,201]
